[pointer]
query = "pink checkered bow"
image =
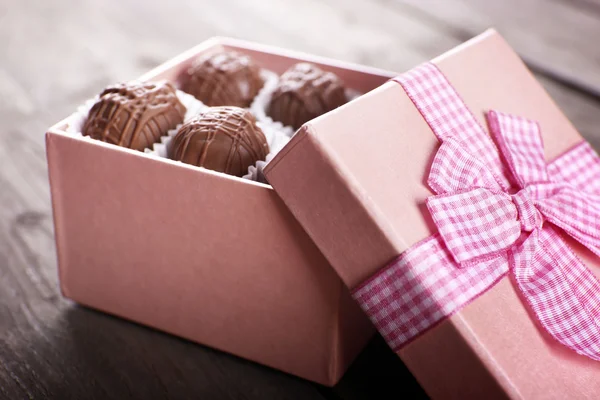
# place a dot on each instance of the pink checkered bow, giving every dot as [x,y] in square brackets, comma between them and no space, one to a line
[479,219]
[497,212]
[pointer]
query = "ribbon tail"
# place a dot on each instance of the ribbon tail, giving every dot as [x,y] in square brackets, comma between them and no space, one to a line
[562,293]
[421,288]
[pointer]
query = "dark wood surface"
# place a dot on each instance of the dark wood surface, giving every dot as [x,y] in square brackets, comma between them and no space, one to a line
[55,54]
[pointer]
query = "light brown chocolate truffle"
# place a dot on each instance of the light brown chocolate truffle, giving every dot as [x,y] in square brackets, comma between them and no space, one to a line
[304,92]
[134,114]
[225,78]
[224,139]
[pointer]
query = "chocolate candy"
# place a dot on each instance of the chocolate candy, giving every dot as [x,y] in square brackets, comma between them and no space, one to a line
[134,114]
[224,139]
[304,92]
[226,78]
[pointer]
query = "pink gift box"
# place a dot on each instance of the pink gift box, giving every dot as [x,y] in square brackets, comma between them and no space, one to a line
[209,257]
[356,180]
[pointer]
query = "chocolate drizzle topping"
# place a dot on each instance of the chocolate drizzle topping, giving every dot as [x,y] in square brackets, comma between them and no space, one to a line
[134,114]
[224,139]
[226,78]
[304,92]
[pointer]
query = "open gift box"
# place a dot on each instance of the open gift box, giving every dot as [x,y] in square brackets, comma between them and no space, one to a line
[474,287]
[206,256]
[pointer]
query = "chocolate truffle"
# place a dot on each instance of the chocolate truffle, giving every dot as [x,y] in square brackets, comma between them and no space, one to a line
[224,139]
[304,92]
[226,78]
[134,114]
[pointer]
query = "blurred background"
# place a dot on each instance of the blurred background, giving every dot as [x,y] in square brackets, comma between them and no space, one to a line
[56,54]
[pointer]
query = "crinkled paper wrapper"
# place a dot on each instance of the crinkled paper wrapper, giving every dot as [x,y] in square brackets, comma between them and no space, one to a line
[276,133]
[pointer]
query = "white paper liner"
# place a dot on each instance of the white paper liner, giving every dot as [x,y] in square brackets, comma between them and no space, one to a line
[277,136]
[276,133]
[77,119]
[280,134]
[352,94]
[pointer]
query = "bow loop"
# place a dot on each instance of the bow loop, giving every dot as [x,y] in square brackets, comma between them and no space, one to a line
[480,220]
[475,223]
[455,169]
[580,166]
[520,142]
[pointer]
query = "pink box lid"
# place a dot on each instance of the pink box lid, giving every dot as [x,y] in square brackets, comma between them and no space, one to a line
[355,179]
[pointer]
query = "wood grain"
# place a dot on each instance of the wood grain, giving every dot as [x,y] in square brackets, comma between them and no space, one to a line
[553,33]
[54,55]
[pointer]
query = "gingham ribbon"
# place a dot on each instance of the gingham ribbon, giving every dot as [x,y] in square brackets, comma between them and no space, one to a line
[494,218]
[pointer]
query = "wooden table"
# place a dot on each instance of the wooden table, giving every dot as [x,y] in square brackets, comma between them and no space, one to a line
[55,54]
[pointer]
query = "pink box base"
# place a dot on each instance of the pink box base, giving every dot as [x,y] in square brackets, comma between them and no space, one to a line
[205,256]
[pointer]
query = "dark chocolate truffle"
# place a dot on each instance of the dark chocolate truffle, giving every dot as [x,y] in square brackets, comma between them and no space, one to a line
[224,139]
[134,114]
[226,78]
[304,92]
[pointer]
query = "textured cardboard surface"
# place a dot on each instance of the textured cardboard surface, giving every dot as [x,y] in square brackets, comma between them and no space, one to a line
[361,198]
[209,257]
